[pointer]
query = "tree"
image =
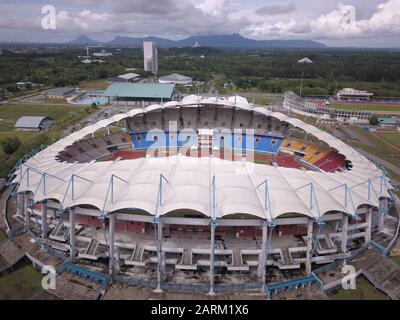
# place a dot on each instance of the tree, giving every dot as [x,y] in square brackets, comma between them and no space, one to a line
[373,121]
[10,145]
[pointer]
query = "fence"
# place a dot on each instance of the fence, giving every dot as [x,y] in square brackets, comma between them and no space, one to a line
[85,273]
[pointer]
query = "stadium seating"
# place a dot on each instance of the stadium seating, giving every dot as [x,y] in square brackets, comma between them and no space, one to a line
[267,144]
[286,161]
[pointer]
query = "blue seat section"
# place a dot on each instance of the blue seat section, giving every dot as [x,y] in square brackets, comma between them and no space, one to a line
[140,140]
[144,140]
[267,144]
[260,143]
[241,141]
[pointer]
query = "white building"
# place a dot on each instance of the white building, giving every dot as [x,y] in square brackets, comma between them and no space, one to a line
[305,61]
[350,93]
[102,53]
[176,78]
[150,57]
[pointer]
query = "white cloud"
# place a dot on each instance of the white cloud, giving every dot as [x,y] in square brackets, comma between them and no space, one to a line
[385,21]
[214,7]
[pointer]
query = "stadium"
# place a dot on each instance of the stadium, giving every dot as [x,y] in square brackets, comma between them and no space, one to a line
[201,192]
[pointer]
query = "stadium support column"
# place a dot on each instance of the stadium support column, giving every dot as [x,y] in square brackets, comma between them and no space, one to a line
[382,213]
[72,250]
[108,130]
[310,224]
[212,256]
[26,211]
[19,204]
[44,219]
[263,256]
[345,228]
[111,225]
[160,260]
[368,229]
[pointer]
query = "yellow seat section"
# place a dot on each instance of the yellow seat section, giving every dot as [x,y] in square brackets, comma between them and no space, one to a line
[310,152]
[319,156]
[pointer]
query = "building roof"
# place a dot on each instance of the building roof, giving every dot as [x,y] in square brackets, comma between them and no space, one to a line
[305,61]
[354,92]
[128,76]
[30,122]
[388,121]
[140,90]
[189,179]
[175,77]
[59,91]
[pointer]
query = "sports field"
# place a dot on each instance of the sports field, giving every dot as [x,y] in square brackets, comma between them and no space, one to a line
[366,107]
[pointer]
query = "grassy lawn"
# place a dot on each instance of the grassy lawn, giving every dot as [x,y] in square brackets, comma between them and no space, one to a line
[21,284]
[364,291]
[94,84]
[396,259]
[63,116]
[264,101]
[12,112]
[366,107]
[382,150]
[2,236]
[392,137]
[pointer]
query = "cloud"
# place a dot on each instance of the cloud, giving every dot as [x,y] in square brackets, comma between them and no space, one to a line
[169,18]
[214,7]
[148,7]
[273,10]
[383,22]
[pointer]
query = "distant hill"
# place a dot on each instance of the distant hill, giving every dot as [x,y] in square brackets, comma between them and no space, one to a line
[218,41]
[131,41]
[83,40]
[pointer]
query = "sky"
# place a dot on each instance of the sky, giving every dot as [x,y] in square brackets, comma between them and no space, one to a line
[347,23]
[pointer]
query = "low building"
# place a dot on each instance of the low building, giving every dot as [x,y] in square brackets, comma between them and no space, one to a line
[59,93]
[350,93]
[127,77]
[33,123]
[387,122]
[102,53]
[305,61]
[176,78]
[89,61]
[140,93]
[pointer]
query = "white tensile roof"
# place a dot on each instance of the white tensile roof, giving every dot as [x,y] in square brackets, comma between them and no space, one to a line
[238,187]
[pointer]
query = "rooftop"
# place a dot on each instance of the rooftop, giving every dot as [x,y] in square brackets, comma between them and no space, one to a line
[59,91]
[175,77]
[129,75]
[140,90]
[30,122]
[388,121]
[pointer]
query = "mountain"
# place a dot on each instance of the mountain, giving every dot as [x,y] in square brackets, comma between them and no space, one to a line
[130,41]
[218,41]
[83,40]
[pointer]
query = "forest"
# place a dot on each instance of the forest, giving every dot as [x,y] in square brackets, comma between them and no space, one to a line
[273,71]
